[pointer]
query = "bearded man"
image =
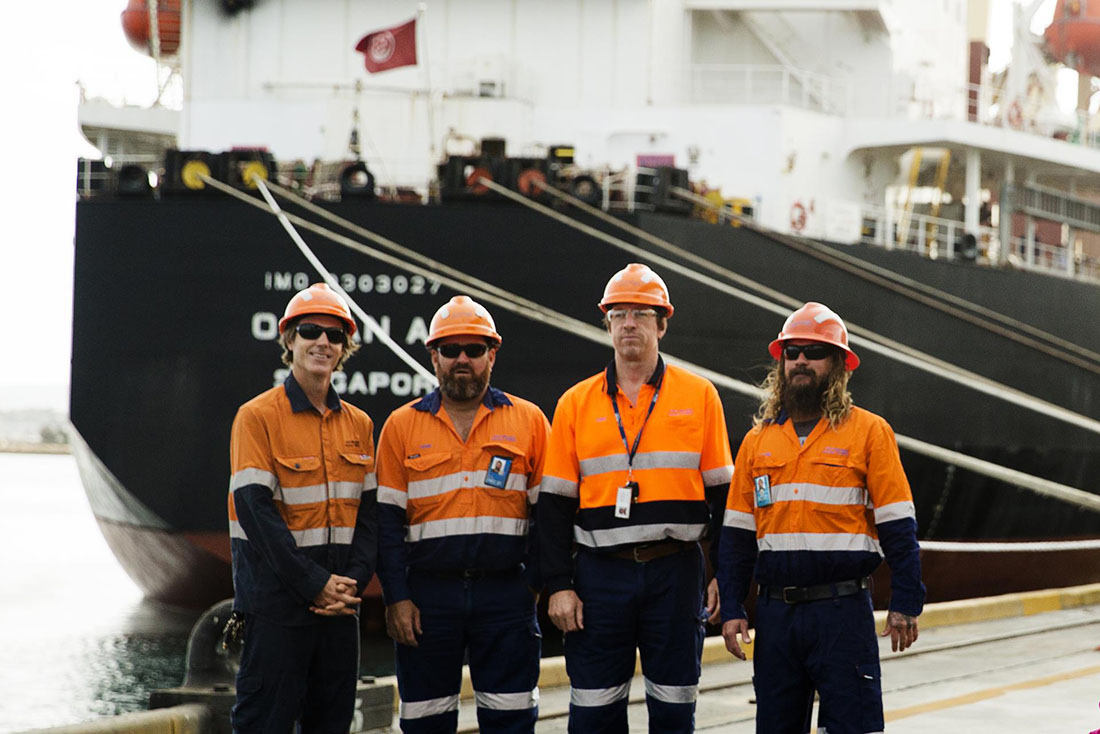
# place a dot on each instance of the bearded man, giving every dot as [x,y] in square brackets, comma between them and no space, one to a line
[818,497]
[458,473]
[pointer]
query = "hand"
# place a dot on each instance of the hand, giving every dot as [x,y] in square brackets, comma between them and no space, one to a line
[403,623]
[566,610]
[714,606]
[729,634]
[338,597]
[902,630]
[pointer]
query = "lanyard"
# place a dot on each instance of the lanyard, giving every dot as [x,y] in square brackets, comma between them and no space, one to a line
[630,452]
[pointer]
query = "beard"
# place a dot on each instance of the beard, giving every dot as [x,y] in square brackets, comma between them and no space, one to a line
[805,397]
[465,386]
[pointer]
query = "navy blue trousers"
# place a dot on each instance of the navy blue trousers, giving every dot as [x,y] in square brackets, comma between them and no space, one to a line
[489,622]
[305,674]
[654,607]
[828,646]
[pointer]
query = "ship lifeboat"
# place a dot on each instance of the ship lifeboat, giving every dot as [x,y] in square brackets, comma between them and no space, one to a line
[1073,37]
[135,24]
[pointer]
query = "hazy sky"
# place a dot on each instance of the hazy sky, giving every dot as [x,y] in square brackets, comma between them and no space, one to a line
[47,48]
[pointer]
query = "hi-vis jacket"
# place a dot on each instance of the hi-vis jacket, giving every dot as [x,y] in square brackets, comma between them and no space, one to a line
[448,505]
[825,511]
[683,467]
[302,501]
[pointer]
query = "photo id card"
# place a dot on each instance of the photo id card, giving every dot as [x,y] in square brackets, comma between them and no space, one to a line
[624,497]
[763,488]
[499,469]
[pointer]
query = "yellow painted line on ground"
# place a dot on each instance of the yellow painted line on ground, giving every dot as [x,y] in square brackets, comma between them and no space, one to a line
[988,693]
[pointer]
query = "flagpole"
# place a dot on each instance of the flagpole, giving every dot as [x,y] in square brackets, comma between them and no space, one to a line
[421,14]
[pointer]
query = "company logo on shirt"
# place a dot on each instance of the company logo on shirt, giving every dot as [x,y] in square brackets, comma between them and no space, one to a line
[681,411]
[834,451]
[351,443]
[503,437]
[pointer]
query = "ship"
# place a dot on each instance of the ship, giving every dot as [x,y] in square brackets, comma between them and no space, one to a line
[756,154]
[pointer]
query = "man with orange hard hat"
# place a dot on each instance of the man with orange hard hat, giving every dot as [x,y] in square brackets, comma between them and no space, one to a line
[303,530]
[818,497]
[636,475]
[458,471]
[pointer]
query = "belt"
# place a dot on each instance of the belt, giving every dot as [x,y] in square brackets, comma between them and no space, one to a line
[468,573]
[799,594]
[645,552]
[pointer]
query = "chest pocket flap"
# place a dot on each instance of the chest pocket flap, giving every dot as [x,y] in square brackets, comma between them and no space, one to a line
[359,459]
[299,463]
[421,464]
[509,451]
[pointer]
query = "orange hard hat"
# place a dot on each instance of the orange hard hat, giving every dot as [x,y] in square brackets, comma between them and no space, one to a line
[636,283]
[317,299]
[815,322]
[462,316]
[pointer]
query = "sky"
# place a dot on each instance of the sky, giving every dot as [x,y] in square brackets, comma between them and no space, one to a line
[49,47]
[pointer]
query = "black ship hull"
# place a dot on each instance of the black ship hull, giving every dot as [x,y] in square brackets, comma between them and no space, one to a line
[176,303]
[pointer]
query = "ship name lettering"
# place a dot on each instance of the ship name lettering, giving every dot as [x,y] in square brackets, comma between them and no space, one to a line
[398,384]
[265,328]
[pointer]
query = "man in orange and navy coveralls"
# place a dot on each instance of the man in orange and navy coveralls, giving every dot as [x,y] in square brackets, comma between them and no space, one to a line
[636,475]
[458,470]
[303,529]
[818,497]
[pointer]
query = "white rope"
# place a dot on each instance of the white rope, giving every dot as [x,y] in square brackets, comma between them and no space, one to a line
[372,326]
[885,347]
[902,284]
[511,302]
[1020,547]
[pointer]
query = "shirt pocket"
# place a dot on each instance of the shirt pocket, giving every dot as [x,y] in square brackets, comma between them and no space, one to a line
[297,473]
[514,462]
[427,478]
[843,484]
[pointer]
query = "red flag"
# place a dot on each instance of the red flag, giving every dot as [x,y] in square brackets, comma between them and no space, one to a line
[389,48]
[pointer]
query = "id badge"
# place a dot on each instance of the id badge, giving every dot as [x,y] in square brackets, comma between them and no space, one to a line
[499,469]
[624,498]
[763,488]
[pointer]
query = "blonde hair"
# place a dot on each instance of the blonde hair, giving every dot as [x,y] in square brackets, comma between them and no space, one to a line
[836,403]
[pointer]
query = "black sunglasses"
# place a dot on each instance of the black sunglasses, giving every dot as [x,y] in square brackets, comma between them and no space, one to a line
[812,351]
[335,334]
[451,351]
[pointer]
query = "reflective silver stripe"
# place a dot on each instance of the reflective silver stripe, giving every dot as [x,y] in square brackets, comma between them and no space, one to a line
[555,485]
[487,525]
[819,542]
[671,694]
[598,696]
[252,476]
[642,460]
[638,534]
[391,496]
[321,536]
[449,482]
[821,493]
[742,520]
[895,511]
[431,707]
[533,494]
[347,490]
[507,701]
[370,482]
[236,531]
[302,495]
[721,475]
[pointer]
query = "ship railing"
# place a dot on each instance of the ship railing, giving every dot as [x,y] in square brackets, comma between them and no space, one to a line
[762,84]
[937,238]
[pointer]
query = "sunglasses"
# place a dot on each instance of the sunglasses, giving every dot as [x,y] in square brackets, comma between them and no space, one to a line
[335,334]
[451,351]
[812,351]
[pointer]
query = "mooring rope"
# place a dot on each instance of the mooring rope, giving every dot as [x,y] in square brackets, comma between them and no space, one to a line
[509,302]
[884,346]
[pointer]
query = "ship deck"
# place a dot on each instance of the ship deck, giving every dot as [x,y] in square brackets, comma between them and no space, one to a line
[1036,670]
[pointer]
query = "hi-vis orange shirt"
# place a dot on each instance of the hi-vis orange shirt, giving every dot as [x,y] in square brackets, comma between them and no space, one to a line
[302,501]
[821,512]
[684,450]
[446,504]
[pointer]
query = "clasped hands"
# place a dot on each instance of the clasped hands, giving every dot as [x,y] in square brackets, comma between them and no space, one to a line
[339,597]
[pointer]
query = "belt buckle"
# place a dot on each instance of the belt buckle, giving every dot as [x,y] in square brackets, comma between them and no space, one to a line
[634,553]
[786,598]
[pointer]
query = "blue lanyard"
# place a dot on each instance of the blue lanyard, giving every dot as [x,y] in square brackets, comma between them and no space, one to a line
[630,452]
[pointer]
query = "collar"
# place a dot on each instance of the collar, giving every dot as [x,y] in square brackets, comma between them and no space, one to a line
[298,400]
[611,384]
[433,401]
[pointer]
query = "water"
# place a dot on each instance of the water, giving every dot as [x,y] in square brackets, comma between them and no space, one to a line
[77,640]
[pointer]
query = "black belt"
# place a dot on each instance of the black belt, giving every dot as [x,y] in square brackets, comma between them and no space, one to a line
[799,594]
[468,573]
[645,552]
